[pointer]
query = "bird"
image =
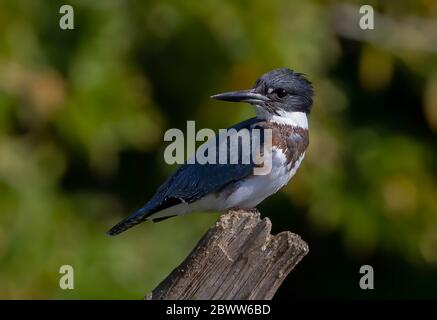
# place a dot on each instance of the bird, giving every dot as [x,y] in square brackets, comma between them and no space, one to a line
[282,99]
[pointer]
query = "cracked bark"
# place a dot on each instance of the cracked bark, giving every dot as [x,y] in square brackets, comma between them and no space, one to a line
[237,259]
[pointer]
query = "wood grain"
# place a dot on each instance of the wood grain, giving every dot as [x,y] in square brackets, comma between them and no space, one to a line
[237,258]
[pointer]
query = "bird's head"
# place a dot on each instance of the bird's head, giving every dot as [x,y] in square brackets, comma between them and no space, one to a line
[275,92]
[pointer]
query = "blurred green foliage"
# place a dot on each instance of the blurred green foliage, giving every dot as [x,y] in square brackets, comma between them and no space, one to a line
[83,111]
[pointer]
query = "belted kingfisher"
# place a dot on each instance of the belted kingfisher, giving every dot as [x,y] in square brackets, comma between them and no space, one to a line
[282,99]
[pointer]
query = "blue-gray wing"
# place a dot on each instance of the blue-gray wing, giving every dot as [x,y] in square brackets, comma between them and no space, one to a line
[190,182]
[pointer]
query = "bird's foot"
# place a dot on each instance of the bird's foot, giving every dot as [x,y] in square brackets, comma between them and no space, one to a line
[252,210]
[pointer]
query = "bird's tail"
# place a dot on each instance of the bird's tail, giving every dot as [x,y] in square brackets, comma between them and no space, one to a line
[127,223]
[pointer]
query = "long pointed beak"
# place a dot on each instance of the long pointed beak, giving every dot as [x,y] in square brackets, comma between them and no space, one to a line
[241,96]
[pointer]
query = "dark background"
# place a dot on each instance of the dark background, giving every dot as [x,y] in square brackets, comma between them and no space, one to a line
[83,113]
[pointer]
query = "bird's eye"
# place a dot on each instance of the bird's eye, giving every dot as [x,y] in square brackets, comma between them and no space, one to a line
[280,92]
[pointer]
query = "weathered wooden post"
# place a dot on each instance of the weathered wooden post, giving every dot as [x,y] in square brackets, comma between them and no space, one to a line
[237,258]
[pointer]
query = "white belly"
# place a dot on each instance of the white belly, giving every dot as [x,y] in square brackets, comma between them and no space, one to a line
[255,189]
[247,194]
